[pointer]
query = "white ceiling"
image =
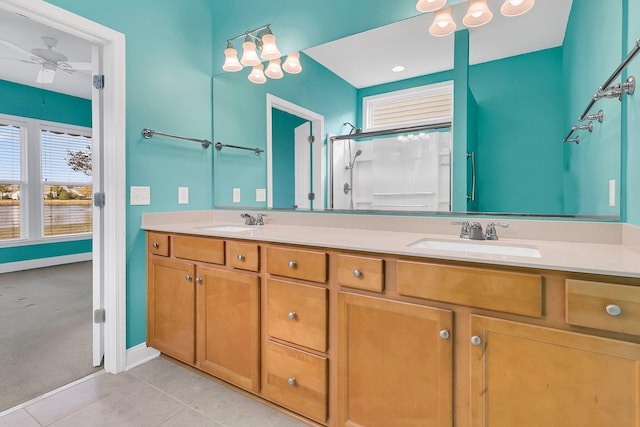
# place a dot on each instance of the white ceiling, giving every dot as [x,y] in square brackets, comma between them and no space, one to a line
[26,34]
[366,59]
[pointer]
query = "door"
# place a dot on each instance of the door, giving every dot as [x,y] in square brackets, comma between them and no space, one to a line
[98,211]
[303,165]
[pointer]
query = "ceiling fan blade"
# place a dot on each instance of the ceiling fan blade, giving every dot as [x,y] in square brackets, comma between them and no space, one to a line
[26,61]
[17,49]
[79,65]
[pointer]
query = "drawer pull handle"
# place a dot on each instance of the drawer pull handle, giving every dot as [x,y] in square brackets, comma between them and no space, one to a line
[476,340]
[155,245]
[444,334]
[357,273]
[613,310]
[188,277]
[292,315]
[240,257]
[199,280]
[292,381]
[292,264]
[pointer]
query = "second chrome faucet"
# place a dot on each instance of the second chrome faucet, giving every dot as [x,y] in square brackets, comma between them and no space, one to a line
[473,230]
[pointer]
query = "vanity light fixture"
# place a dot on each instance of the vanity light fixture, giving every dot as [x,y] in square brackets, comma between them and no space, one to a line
[443,23]
[260,44]
[478,14]
[516,7]
[430,5]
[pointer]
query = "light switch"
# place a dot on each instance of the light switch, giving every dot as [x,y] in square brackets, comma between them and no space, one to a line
[183,195]
[236,195]
[612,192]
[261,195]
[139,196]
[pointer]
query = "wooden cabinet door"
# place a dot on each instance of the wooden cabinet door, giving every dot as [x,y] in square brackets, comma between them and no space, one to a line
[228,326]
[394,363]
[171,308]
[531,376]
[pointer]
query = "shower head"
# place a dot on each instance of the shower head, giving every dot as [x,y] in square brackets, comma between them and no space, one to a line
[357,153]
[354,129]
[353,161]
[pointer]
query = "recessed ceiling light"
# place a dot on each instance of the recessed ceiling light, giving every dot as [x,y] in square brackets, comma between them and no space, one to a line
[397,68]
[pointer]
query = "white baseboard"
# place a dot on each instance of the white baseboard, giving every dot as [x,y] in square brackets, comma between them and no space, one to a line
[140,354]
[44,262]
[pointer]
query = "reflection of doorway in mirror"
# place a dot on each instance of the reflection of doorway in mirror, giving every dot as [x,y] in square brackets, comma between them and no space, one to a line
[302,166]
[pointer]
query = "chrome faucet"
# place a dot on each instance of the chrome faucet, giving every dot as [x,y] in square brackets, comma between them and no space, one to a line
[476,231]
[465,231]
[491,234]
[260,219]
[250,220]
[473,230]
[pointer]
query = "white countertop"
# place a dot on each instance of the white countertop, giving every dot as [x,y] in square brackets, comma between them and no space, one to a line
[606,255]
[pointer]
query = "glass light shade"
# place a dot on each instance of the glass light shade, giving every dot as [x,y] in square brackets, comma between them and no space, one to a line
[430,5]
[478,14]
[249,55]
[269,48]
[273,70]
[292,64]
[516,7]
[46,74]
[231,62]
[443,23]
[257,74]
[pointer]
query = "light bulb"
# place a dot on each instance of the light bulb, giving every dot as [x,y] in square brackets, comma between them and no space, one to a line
[478,14]
[516,7]
[257,74]
[249,55]
[430,5]
[292,64]
[269,48]
[231,62]
[273,70]
[443,23]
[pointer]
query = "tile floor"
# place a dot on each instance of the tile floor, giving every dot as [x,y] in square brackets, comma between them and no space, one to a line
[157,393]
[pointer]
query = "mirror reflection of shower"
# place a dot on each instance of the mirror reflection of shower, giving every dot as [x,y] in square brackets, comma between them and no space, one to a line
[348,186]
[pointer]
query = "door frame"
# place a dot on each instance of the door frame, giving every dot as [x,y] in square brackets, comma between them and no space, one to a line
[113,125]
[317,130]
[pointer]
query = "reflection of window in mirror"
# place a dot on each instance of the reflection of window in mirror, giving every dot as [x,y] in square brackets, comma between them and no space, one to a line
[402,170]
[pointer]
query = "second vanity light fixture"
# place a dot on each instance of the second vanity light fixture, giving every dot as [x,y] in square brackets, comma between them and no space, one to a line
[260,39]
[478,13]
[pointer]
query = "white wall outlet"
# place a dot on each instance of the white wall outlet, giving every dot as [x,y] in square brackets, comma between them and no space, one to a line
[139,196]
[261,195]
[183,195]
[236,195]
[612,192]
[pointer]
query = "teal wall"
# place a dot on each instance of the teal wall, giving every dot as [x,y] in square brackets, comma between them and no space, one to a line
[239,109]
[169,69]
[283,157]
[36,103]
[591,52]
[632,158]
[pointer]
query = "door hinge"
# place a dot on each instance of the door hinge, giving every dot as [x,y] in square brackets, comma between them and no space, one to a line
[99,315]
[312,196]
[98,81]
[311,139]
[98,200]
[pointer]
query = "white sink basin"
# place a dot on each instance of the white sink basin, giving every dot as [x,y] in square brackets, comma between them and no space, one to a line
[229,228]
[490,247]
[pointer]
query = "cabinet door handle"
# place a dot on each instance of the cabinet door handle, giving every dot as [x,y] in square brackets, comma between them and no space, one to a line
[155,245]
[613,310]
[240,257]
[199,280]
[292,264]
[188,277]
[357,273]
[292,315]
[476,340]
[292,381]
[444,334]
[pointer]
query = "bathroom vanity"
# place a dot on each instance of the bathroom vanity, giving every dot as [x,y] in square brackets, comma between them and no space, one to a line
[358,327]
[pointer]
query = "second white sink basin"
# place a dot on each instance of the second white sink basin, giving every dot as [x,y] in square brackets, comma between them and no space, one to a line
[490,247]
[228,228]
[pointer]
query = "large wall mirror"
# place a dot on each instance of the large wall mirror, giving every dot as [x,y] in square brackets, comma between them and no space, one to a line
[526,80]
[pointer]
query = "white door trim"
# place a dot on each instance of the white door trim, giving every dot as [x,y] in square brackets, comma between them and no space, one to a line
[113,50]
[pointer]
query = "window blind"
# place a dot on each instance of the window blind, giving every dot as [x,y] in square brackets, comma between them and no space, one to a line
[422,109]
[10,177]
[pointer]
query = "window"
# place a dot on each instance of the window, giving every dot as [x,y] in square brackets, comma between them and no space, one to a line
[410,107]
[45,181]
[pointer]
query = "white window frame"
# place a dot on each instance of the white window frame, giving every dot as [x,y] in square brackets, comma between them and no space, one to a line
[31,185]
[370,102]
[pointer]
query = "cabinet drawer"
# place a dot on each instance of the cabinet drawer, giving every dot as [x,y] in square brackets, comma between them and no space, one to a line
[158,243]
[203,249]
[297,314]
[361,272]
[244,256]
[297,380]
[603,306]
[517,293]
[297,264]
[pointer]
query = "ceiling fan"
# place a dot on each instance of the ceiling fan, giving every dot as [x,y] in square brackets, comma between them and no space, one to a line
[48,59]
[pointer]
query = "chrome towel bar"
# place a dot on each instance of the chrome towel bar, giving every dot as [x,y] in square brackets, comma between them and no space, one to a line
[148,133]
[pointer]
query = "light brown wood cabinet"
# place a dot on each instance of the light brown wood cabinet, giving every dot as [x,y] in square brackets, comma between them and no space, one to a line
[347,338]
